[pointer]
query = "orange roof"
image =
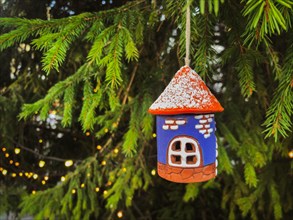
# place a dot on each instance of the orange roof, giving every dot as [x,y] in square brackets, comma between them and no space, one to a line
[186,93]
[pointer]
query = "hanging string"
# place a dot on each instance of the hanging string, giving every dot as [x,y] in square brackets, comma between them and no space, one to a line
[187,35]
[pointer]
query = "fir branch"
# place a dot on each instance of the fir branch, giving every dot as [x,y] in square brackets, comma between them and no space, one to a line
[278,116]
[265,18]
[54,92]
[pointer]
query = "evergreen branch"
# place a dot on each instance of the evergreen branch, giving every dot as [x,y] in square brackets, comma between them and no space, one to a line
[278,116]
[54,92]
[265,17]
[68,105]
[65,208]
[55,56]
[91,101]
[245,73]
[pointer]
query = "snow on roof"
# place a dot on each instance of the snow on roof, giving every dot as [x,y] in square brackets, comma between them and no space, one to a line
[186,93]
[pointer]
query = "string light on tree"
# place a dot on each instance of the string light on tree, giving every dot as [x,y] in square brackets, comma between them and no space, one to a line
[73,191]
[7,155]
[62,178]
[68,163]
[42,163]
[97,189]
[46,178]
[4,172]
[153,172]
[82,185]
[99,147]
[4,149]
[16,164]
[119,214]
[16,150]
[290,154]
[35,176]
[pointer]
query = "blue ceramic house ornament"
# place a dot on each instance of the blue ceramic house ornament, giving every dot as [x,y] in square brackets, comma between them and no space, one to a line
[187,145]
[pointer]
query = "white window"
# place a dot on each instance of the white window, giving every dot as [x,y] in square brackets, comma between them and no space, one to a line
[184,152]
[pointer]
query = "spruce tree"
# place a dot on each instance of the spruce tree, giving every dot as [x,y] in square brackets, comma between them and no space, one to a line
[77,80]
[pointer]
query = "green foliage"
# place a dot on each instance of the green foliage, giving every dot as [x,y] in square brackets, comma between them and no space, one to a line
[267,18]
[67,199]
[212,6]
[279,115]
[106,68]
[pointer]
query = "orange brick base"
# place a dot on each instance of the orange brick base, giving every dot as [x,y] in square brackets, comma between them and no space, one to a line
[186,175]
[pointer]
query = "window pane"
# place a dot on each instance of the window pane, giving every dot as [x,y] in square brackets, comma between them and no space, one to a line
[176,146]
[191,159]
[176,159]
[189,147]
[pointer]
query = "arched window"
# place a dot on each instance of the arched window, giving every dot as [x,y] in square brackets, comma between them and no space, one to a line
[184,151]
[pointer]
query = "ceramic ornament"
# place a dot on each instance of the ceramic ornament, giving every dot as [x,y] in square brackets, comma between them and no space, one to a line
[186,141]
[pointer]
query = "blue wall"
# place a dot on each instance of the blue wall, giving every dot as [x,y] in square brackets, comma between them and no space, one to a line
[208,145]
